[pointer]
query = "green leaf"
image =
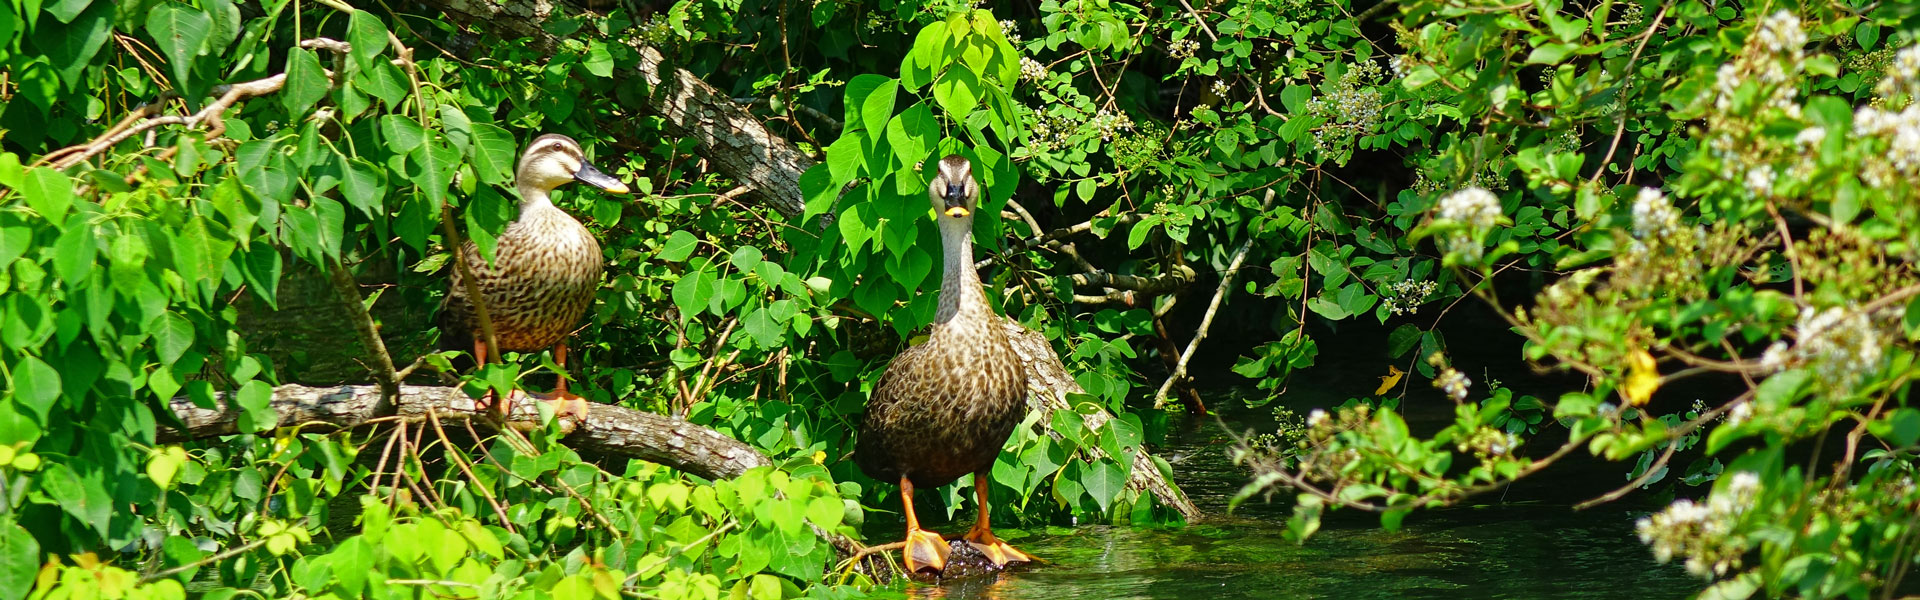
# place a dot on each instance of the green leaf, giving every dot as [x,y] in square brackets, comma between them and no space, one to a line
[306,82]
[1103,481]
[368,36]
[598,61]
[958,92]
[493,153]
[19,561]
[180,31]
[363,185]
[66,10]
[172,336]
[49,193]
[1402,339]
[85,498]
[255,400]
[746,258]
[36,385]
[437,162]
[1549,54]
[74,254]
[679,246]
[74,46]
[877,108]
[402,133]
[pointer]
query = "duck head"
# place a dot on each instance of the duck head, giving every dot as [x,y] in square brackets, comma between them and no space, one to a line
[954,193]
[553,160]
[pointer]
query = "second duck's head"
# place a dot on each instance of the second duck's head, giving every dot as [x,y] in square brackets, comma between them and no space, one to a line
[954,193]
[553,160]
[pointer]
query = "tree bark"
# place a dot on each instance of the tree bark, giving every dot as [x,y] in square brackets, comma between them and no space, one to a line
[607,430]
[741,147]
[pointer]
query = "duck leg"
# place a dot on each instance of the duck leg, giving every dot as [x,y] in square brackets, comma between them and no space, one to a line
[981,536]
[926,550]
[564,403]
[487,400]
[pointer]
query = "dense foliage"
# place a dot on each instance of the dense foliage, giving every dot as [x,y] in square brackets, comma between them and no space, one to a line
[1695,189]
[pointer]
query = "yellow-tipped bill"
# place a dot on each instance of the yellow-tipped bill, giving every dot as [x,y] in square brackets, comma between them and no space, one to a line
[957,211]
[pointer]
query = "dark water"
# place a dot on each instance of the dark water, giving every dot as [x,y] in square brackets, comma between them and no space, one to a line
[1525,543]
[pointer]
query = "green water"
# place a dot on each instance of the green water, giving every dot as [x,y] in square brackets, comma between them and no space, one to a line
[1526,543]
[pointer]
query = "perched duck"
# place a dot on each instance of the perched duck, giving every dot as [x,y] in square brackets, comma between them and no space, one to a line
[945,407]
[545,269]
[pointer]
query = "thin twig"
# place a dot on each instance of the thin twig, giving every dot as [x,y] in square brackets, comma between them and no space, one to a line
[1213,308]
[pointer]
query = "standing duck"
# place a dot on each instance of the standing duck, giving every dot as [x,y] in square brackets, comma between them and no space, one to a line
[545,270]
[945,407]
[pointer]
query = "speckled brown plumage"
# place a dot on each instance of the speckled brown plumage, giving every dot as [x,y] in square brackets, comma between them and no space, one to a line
[945,407]
[546,265]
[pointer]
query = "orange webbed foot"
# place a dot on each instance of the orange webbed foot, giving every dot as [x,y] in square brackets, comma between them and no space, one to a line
[565,404]
[926,552]
[997,551]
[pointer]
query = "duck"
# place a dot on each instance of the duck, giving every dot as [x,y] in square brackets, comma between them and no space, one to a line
[944,408]
[545,271]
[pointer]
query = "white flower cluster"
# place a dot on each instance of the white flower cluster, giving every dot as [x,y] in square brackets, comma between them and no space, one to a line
[1317,418]
[1401,65]
[1352,109]
[1012,30]
[1220,87]
[1654,216]
[1902,77]
[1405,296]
[1840,344]
[1900,165]
[1032,70]
[1476,207]
[1454,383]
[1183,49]
[1703,533]
[1777,45]
[1110,124]
[1760,180]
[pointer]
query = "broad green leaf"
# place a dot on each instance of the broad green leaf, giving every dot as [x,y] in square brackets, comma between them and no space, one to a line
[368,36]
[598,60]
[1103,481]
[36,385]
[363,185]
[1402,339]
[74,45]
[493,153]
[678,246]
[877,108]
[180,30]
[255,400]
[85,498]
[437,162]
[172,336]
[75,253]
[912,133]
[746,258]
[19,561]
[958,92]
[49,193]
[66,10]
[402,133]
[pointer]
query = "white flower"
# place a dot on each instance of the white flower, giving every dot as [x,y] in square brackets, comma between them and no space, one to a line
[1760,180]
[1317,418]
[1032,70]
[1183,48]
[1476,207]
[1811,136]
[1220,87]
[1653,215]
[1454,383]
[1775,358]
[1740,414]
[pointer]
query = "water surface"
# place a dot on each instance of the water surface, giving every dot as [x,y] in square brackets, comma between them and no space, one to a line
[1516,545]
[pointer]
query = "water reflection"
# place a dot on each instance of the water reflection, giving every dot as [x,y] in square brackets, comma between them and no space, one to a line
[1507,551]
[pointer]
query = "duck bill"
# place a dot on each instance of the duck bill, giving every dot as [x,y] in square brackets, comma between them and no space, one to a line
[956,201]
[593,177]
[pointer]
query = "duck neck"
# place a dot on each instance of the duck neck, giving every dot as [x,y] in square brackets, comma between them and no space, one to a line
[533,198]
[960,293]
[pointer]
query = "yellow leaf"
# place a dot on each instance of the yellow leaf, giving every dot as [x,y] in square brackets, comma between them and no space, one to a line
[1392,378]
[1643,377]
